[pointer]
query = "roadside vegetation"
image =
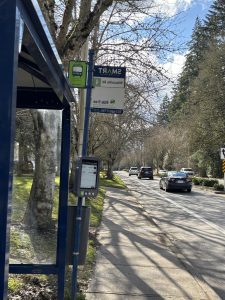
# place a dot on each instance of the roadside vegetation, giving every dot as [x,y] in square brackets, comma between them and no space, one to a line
[188,129]
[22,246]
[208,182]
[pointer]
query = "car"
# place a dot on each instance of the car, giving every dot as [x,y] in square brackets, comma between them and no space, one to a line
[176,181]
[133,171]
[188,171]
[162,172]
[145,172]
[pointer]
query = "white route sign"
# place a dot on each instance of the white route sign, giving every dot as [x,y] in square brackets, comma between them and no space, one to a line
[108,89]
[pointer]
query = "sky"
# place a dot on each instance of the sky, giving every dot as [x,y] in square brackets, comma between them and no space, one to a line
[188,11]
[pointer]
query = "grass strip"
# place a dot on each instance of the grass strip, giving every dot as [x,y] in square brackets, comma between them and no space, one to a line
[22,186]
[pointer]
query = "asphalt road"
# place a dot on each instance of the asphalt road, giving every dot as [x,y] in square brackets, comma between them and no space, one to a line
[194,222]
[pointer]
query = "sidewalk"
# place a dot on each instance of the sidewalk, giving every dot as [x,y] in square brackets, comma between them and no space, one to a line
[135,260]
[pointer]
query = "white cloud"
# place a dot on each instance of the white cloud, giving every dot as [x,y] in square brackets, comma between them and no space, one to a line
[174,67]
[166,8]
[172,7]
[205,3]
[172,70]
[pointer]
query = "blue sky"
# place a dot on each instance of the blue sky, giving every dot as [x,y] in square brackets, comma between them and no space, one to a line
[188,11]
[196,9]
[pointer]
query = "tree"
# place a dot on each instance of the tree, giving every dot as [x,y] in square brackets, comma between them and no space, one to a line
[194,57]
[40,203]
[113,134]
[204,35]
[163,114]
[207,106]
[70,23]
[166,147]
[215,22]
[25,140]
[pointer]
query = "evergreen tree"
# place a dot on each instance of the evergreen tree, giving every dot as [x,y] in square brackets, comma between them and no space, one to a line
[195,56]
[197,48]
[207,106]
[215,22]
[162,115]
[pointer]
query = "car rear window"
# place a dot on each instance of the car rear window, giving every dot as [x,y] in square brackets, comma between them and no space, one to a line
[133,168]
[180,174]
[146,169]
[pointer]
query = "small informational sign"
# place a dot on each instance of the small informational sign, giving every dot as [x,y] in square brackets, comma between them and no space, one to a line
[108,89]
[77,73]
[87,177]
[108,82]
[222,153]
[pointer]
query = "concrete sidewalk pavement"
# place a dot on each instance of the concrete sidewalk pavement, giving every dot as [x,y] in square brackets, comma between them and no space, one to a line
[135,259]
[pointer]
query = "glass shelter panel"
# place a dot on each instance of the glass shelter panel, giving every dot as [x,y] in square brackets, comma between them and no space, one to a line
[33,236]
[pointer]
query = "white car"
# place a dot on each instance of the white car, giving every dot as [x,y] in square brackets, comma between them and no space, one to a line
[133,171]
[162,172]
[188,171]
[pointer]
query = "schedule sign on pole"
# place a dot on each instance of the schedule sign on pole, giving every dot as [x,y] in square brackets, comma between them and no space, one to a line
[108,89]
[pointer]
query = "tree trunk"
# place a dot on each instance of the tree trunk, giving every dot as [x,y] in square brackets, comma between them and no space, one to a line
[72,175]
[40,204]
[109,172]
[58,151]
[202,172]
[23,159]
[216,167]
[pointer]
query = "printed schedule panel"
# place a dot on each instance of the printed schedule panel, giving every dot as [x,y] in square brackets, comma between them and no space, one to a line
[89,175]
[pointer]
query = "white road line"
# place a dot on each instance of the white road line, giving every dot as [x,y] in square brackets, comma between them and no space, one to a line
[197,216]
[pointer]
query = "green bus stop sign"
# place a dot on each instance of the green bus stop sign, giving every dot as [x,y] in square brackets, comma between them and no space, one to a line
[78,73]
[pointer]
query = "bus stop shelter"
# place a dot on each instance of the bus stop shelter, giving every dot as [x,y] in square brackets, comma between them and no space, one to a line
[31,76]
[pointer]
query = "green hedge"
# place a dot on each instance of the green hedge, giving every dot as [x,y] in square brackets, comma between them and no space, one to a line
[205,181]
[218,187]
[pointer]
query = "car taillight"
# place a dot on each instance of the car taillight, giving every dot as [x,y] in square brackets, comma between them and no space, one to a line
[171,179]
[188,180]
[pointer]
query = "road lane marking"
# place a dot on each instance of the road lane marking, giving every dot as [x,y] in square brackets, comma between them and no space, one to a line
[197,216]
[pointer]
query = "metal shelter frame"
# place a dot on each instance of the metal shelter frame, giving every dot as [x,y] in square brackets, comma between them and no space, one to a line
[33,53]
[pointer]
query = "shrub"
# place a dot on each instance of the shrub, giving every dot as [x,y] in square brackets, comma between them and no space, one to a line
[218,187]
[161,175]
[204,181]
[209,182]
[195,180]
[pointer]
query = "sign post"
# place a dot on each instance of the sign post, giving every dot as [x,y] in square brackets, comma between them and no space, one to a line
[222,156]
[76,245]
[223,169]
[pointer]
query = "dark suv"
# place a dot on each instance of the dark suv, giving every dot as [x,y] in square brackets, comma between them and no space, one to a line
[145,172]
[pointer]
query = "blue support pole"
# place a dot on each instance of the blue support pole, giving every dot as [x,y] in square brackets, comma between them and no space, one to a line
[63,202]
[9,41]
[88,101]
[84,152]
